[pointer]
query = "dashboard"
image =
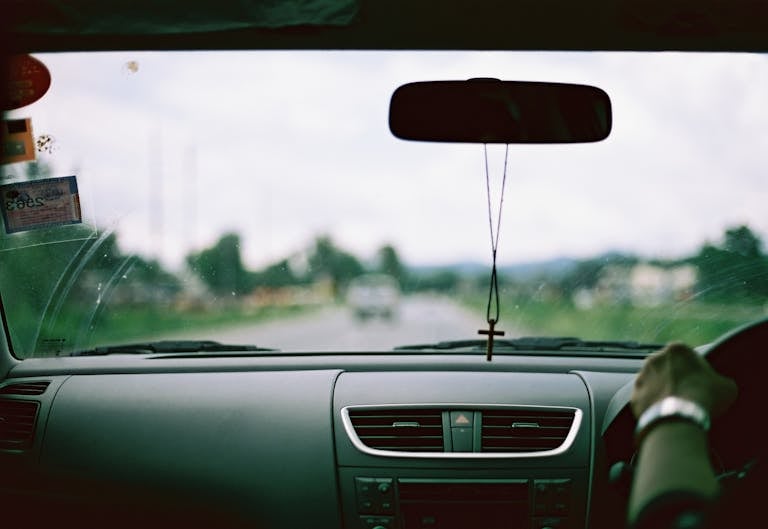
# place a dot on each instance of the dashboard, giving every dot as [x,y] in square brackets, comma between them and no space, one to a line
[327,440]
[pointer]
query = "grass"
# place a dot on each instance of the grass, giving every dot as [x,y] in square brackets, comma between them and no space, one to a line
[119,325]
[694,323]
[132,323]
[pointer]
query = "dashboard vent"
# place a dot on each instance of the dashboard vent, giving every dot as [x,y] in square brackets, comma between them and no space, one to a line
[400,430]
[17,424]
[25,388]
[525,430]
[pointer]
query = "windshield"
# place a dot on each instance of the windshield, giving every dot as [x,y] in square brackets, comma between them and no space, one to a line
[260,198]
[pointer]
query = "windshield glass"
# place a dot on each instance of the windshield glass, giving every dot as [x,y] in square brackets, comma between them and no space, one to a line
[259,198]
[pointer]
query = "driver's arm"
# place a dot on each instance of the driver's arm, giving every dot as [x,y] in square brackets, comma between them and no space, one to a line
[673,475]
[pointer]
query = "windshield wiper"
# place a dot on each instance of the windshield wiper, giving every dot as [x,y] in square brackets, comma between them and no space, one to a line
[539,344]
[174,347]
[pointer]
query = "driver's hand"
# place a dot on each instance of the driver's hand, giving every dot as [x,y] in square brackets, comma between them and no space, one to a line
[679,371]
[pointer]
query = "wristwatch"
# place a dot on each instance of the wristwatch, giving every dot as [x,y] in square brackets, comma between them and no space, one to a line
[671,408]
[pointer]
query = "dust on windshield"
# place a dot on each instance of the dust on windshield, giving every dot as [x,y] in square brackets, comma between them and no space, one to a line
[259,198]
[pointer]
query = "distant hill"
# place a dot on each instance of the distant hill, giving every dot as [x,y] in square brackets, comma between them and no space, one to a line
[551,267]
[556,267]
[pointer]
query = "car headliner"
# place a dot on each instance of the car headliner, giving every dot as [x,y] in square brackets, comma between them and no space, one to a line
[642,25]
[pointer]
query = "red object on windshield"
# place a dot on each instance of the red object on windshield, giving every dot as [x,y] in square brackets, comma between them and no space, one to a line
[28,81]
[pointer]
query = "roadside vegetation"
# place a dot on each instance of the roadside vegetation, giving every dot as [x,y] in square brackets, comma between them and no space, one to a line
[73,287]
[693,322]
[696,299]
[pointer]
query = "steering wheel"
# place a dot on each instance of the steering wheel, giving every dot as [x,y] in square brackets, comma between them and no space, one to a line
[737,438]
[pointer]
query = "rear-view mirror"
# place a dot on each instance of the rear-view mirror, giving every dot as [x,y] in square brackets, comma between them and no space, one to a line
[494,111]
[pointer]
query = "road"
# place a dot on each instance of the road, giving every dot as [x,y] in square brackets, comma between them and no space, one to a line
[420,320]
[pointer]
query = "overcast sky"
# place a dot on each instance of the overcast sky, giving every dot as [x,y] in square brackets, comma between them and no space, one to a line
[172,150]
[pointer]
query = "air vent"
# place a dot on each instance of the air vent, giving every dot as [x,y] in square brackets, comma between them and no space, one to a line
[525,430]
[400,430]
[25,388]
[17,424]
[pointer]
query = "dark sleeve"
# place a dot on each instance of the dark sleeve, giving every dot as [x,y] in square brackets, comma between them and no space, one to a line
[675,510]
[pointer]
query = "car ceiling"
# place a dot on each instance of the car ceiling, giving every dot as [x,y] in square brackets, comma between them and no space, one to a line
[643,25]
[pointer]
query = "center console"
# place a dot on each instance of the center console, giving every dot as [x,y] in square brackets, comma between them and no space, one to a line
[460,503]
[494,454]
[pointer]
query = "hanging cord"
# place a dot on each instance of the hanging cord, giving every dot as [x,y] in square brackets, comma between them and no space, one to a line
[493,292]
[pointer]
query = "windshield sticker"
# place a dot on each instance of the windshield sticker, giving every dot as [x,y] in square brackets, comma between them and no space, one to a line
[40,204]
[17,142]
[28,81]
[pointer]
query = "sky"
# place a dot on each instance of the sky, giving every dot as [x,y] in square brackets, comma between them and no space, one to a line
[173,150]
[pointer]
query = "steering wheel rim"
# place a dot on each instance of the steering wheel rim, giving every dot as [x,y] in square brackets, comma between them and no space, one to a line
[744,340]
[736,436]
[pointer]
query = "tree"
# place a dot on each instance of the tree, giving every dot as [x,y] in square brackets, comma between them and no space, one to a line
[221,267]
[735,270]
[445,280]
[277,275]
[326,260]
[389,263]
[743,242]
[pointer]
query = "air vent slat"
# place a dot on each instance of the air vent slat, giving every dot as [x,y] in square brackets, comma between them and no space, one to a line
[367,431]
[25,388]
[401,430]
[17,423]
[525,430]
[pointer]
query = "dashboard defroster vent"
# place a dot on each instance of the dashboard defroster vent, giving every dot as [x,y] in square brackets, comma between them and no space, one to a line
[525,430]
[400,430]
[17,424]
[25,388]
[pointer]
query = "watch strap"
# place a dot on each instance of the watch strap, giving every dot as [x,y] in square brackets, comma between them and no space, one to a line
[671,408]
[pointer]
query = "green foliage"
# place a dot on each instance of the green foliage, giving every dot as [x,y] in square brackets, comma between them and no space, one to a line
[389,263]
[742,241]
[445,280]
[58,284]
[326,260]
[731,290]
[277,275]
[34,270]
[152,272]
[123,323]
[692,322]
[221,267]
[734,270]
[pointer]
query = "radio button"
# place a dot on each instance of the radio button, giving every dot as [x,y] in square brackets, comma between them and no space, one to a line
[462,439]
[364,486]
[377,522]
[384,486]
[550,523]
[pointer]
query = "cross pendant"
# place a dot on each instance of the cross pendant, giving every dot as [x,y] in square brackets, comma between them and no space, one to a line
[491,333]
